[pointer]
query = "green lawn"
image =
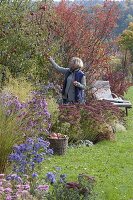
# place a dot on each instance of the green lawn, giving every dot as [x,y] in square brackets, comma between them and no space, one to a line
[110,162]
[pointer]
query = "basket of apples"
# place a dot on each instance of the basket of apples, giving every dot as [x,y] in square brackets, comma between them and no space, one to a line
[58,142]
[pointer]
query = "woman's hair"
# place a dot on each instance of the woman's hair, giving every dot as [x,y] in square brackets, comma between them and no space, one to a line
[77,61]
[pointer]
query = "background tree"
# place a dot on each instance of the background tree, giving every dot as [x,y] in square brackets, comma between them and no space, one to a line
[85,32]
[126,45]
[14,45]
[24,38]
[126,16]
[65,30]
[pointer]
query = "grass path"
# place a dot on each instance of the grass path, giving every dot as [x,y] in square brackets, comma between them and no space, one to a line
[110,162]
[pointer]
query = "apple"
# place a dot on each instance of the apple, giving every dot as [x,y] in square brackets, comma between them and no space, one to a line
[43,7]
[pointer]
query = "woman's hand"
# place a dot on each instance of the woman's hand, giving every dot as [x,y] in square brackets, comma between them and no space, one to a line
[46,55]
[76,83]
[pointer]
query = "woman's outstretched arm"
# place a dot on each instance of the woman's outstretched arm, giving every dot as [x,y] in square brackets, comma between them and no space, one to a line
[55,65]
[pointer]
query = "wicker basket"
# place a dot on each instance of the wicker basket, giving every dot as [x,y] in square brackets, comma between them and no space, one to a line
[59,145]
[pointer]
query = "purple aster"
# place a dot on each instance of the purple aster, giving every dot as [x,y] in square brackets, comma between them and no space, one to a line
[62,178]
[26,187]
[37,146]
[8,190]
[50,151]
[34,175]
[43,187]
[8,197]
[38,158]
[51,177]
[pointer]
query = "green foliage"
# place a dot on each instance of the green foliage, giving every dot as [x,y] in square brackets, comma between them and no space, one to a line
[9,136]
[126,39]
[125,17]
[14,45]
[53,109]
[19,87]
[23,40]
[126,44]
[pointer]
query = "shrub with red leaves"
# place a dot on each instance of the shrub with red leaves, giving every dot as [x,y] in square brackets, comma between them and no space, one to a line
[91,121]
[119,84]
[72,185]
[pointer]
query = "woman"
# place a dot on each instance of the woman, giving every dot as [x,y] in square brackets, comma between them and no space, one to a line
[74,82]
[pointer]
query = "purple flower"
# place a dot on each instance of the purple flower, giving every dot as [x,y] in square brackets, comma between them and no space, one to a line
[10,103]
[19,186]
[13,177]
[34,113]
[26,156]
[37,146]
[38,158]
[34,175]
[30,141]
[58,168]
[19,179]
[43,187]
[8,178]
[16,148]
[8,112]
[32,164]
[26,187]
[50,151]
[8,197]
[23,147]
[15,196]
[14,157]
[7,190]
[51,177]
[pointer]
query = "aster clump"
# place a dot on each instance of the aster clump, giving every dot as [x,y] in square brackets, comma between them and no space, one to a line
[32,115]
[26,160]
[36,120]
[11,103]
[27,156]
[12,187]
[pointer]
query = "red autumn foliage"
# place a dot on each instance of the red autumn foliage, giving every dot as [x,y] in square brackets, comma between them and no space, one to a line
[92,117]
[73,185]
[95,110]
[118,82]
[78,31]
[85,32]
